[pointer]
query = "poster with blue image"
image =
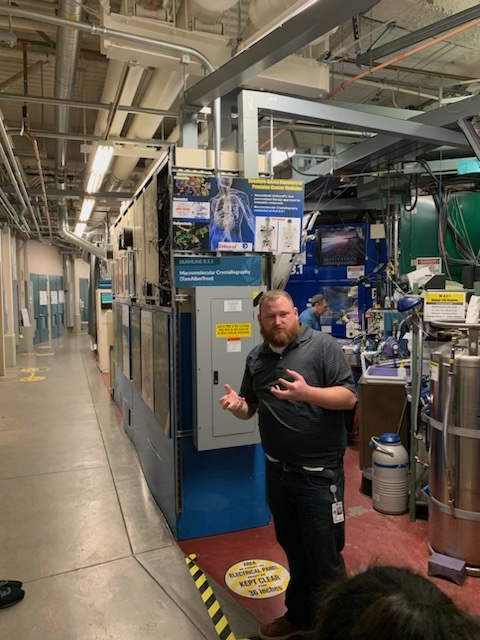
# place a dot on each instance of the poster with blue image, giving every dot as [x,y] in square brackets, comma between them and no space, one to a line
[237,214]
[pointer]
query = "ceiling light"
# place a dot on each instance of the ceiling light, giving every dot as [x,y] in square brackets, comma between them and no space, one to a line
[100,165]
[80,229]
[86,210]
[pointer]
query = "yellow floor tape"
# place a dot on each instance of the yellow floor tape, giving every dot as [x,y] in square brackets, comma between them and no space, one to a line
[214,609]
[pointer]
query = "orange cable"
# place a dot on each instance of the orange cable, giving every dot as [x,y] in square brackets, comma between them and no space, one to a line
[402,56]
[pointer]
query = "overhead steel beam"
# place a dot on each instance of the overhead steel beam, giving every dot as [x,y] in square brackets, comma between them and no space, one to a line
[350,118]
[297,32]
[441,26]
[471,134]
[441,117]
[251,103]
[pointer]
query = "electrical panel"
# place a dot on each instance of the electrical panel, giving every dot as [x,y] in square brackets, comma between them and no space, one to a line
[226,329]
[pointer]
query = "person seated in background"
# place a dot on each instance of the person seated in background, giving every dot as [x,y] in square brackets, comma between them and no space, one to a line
[311,315]
[392,603]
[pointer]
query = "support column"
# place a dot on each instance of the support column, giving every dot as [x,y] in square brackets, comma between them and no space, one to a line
[188,128]
[10,352]
[2,315]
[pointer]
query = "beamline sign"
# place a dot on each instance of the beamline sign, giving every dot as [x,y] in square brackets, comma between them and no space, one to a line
[225,271]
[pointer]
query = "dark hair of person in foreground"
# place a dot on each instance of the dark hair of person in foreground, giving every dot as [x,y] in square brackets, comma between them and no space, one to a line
[392,603]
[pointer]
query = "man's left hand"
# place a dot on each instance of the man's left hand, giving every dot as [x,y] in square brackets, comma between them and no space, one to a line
[296,391]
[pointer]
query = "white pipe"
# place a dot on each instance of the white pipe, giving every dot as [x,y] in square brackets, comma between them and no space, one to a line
[208,11]
[112,79]
[261,12]
[161,92]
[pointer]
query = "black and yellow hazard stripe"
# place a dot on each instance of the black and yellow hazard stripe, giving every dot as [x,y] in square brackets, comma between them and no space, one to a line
[213,606]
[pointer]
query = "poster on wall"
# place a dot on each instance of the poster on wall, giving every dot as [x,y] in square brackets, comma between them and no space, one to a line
[340,247]
[237,214]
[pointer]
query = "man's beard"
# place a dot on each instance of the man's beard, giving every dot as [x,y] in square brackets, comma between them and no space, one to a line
[280,337]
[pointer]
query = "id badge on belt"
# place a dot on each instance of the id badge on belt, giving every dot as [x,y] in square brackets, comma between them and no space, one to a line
[337,507]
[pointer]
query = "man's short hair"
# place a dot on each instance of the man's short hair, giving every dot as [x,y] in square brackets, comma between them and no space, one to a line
[317,299]
[274,294]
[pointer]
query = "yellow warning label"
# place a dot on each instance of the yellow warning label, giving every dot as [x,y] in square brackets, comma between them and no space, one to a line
[445,297]
[257,578]
[238,330]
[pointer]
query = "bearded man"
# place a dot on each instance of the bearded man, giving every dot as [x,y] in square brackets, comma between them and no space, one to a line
[300,383]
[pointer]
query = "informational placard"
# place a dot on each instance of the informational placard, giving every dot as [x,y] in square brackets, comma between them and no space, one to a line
[232,306]
[353,273]
[257,578]
[434,265]
[444,306]
[213,272]
[234,345]
[234,330]
[54,297]
[237,214]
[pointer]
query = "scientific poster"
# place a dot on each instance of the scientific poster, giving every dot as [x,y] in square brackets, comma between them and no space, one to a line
[237,214]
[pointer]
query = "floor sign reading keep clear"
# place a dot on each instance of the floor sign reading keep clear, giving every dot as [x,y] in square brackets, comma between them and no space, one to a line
[257,578]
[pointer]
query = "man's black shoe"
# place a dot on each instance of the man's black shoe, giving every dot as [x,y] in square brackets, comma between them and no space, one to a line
[10,596]
[11,583]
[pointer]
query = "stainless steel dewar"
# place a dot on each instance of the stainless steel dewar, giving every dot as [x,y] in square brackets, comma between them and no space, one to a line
[454,474]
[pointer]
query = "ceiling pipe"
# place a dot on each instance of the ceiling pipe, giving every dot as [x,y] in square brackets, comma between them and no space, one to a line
[162,90]
[66,60]
[72,238]
[16,177]
[68,45]
[134,74]
[403,56]
[130,37]
[207,11]
[94,106]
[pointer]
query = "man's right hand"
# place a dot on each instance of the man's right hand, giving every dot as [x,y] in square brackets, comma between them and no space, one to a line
[231,401]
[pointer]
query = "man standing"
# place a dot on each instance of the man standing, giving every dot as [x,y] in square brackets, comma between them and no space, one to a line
[311,315]
[300,383]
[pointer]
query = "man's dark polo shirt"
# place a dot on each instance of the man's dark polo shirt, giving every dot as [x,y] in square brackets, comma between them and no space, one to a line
[298,432]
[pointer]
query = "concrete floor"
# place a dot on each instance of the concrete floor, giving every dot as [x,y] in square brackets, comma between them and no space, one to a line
[78,524]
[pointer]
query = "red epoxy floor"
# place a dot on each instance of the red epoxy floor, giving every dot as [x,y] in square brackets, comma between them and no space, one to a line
[372,538]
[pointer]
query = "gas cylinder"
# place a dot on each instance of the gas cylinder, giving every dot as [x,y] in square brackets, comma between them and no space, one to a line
[389,474]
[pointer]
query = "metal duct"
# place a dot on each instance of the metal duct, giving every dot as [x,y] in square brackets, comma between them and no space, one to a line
[65,232]
[68,45]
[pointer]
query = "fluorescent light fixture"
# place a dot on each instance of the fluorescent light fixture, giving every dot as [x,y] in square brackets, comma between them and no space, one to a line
[80,229]
[206,111]
[100,164]
[280,156]
[86,210]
